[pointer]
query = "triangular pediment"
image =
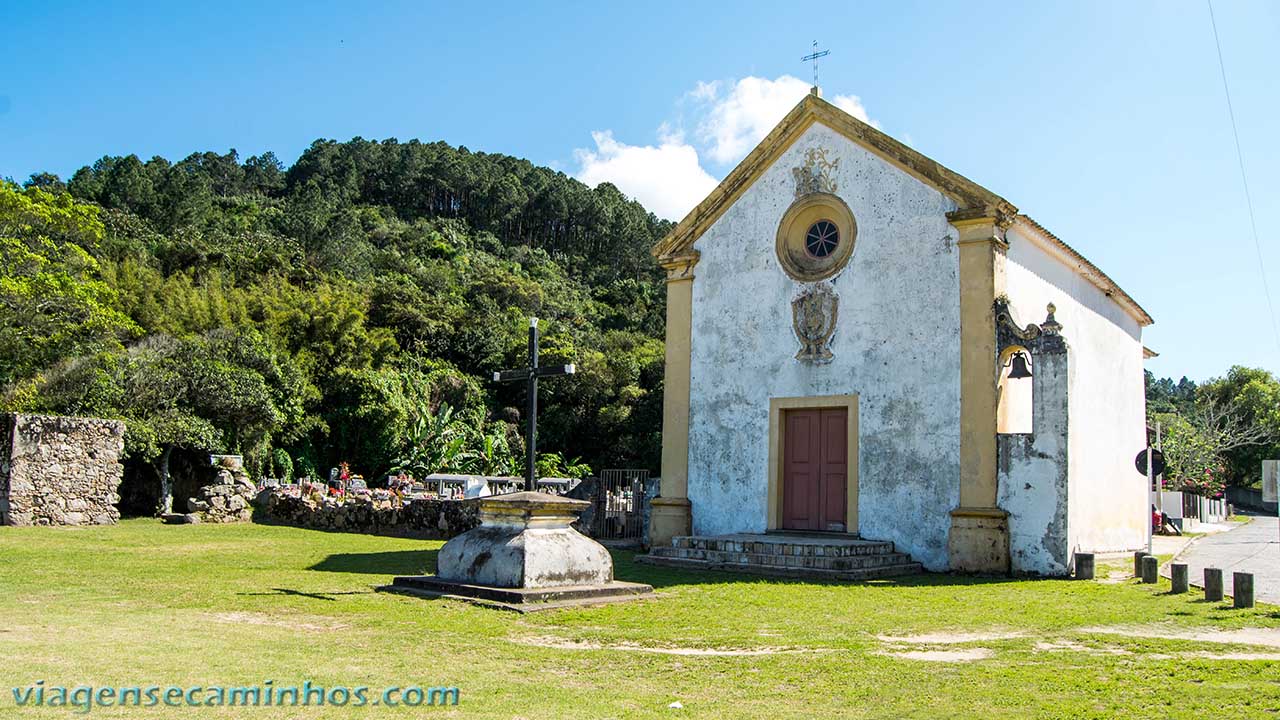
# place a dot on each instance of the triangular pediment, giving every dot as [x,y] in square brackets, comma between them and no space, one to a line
[967,194]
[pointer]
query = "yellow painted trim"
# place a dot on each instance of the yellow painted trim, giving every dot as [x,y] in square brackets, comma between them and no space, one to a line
[981,280]
[803,213]
[1002,382]
[968,195]
[810,110]
[676,380]
[776,408]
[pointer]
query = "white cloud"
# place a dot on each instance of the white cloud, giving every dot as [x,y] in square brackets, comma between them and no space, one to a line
[751,107]
[667,179]
[730,118]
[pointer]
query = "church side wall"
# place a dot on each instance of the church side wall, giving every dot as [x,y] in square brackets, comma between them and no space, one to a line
[896,346]
[1106,498]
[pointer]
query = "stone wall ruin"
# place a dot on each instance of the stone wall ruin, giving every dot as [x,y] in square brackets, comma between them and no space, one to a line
[59,470]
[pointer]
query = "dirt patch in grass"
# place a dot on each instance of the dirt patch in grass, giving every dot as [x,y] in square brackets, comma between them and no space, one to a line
[557,643]
[1272,657]
[308,623]
[949,638]
[1073,646]
[956,655]
[1116,577]
[1265,637]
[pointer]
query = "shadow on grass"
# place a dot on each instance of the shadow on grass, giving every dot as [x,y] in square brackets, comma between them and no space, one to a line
[392,562]
[286,592]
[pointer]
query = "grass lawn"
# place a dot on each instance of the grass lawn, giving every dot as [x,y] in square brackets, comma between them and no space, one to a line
[143,604]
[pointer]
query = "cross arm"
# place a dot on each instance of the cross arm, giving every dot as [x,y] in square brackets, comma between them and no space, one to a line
[525,374]
[552,370]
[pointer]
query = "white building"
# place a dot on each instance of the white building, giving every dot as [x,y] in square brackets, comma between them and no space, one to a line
[843,315]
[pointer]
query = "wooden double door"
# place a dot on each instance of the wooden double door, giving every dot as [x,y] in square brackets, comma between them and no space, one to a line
[815,477]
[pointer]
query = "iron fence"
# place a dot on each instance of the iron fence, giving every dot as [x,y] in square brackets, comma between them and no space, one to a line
[619,505]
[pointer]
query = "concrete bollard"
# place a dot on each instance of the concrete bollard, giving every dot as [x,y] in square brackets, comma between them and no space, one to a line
[1178,574]
[1137,562]
[1150,569]
[1213,584]
[1242,589]
[1084,566]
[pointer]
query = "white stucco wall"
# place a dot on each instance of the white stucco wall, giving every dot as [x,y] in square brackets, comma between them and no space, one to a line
[896,346]
[1033,474]
[1106,497]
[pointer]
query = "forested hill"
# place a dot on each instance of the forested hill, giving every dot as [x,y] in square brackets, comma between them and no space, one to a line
[349,307]
[317,202]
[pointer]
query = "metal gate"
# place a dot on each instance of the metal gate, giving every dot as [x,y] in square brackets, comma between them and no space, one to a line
[620,505]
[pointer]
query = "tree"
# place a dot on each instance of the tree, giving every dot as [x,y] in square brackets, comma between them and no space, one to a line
[1218,432]
[1192,461]
[1243,412]
[299,308]
[436,443]
[53,301]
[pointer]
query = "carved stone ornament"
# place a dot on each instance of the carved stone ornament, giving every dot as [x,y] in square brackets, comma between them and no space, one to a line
[813,316]
[815,173]
[1043,338]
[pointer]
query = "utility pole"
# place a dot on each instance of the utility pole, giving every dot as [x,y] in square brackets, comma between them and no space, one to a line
[1151,481]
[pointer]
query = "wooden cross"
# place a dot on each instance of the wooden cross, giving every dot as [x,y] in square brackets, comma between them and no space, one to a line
[530,375]
[814,57]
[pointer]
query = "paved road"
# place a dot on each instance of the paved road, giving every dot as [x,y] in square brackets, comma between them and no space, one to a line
[1254,547]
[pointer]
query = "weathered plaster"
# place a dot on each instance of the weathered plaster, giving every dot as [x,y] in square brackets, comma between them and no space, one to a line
[896,347]
[1033,474]
[525,541]
[1108,503]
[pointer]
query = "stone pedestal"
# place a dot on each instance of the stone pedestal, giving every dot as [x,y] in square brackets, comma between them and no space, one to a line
[979,540]
[525,551]
[669,518]
[1179,578]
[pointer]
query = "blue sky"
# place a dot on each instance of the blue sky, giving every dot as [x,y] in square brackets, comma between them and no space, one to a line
[1105,121]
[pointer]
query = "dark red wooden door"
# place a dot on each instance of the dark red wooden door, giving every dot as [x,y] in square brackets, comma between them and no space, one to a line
[815,458]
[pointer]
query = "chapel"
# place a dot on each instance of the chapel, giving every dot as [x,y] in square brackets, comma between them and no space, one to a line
[862,344]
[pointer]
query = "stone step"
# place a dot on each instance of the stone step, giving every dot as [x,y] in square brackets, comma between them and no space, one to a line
[884,571]
[801,546]
[838,563]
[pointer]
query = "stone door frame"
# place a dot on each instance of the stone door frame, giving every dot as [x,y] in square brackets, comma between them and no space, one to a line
[777,406]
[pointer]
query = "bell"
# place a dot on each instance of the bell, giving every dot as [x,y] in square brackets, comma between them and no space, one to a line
[1019,367]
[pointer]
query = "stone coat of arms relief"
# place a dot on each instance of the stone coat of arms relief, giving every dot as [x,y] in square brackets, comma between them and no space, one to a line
[815,310]
[813,316]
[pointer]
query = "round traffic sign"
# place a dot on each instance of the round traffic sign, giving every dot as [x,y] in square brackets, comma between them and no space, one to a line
[1157,463]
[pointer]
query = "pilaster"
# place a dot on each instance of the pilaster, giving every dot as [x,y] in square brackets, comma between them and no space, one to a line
[979,538]
[672,512]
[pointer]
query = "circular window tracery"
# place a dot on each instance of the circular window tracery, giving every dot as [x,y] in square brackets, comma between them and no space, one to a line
[822,238]
[816,237]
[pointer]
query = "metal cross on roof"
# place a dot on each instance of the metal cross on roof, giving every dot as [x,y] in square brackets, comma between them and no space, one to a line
[814,57]
[530,375]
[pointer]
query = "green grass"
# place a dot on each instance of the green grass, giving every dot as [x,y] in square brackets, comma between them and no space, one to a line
[143,603]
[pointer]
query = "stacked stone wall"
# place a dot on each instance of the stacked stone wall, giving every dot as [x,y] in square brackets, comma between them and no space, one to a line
[424,518]
[60,470]
[229,498]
